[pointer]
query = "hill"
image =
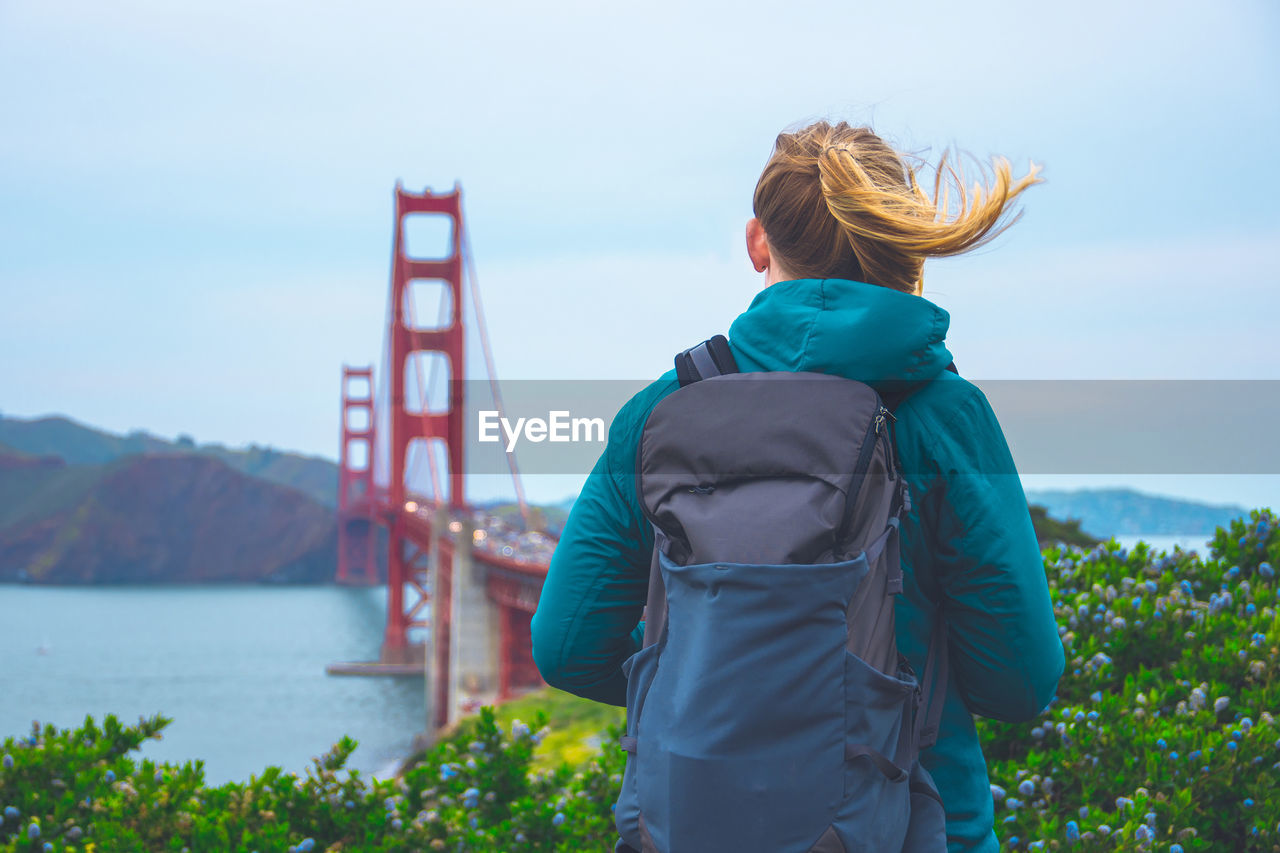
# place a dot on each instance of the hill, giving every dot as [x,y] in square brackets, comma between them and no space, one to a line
[1118,512]
[78,444]
[176,518]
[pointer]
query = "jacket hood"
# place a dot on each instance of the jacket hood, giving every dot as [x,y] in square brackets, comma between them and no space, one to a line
[846,328]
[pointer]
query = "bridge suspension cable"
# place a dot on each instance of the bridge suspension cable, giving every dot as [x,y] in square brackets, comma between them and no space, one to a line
[469,272]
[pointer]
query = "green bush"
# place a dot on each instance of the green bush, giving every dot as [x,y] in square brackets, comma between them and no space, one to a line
[80,790]
[1161,738]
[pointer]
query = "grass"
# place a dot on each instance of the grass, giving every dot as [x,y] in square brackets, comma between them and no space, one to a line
[576,725]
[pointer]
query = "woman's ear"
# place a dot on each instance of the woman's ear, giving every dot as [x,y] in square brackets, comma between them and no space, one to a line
[757,245]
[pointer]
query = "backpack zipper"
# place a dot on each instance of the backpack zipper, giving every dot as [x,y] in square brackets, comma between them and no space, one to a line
[880,421]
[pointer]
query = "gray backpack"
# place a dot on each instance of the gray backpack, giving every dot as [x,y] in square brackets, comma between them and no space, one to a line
[769,710]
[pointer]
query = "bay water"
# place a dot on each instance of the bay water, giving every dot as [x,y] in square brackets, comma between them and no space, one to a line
[240,669]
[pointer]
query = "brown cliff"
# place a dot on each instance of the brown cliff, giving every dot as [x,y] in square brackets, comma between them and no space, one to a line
[172,518]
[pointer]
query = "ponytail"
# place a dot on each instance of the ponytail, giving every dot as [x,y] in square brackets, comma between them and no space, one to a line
[837,202]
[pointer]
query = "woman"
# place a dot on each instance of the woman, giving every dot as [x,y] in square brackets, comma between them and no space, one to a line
[841,232]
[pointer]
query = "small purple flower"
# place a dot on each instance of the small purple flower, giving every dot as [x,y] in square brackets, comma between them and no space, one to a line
[558,819]
[8,762]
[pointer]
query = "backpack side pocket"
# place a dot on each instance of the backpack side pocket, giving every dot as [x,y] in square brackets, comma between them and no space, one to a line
[640,670]
[876,809]
[927,832]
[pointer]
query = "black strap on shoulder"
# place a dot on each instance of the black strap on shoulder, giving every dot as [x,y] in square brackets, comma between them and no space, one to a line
[933,684]
[709,358]
[892,397]
[933,687]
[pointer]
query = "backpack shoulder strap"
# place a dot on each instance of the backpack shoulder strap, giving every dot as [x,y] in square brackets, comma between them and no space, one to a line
[933,684]
[710,358]
[893,397]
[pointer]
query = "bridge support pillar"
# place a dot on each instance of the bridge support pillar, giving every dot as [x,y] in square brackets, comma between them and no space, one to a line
[474,635]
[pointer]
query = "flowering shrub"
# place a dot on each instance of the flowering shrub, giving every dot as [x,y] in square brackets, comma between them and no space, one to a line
[1161,738]
[79,790]
[1162,734]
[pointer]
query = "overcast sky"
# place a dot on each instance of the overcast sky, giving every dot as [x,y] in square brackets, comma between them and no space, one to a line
[197,196]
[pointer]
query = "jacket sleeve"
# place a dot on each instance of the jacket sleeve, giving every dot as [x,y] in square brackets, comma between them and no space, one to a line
[1006,654]
[588,617]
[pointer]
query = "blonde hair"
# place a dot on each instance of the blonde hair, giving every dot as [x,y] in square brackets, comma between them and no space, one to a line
[837,202]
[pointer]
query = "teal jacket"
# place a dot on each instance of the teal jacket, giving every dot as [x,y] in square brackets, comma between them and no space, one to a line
[968,541]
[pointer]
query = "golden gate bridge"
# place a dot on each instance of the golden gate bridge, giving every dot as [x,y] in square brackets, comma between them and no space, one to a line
[462,584]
